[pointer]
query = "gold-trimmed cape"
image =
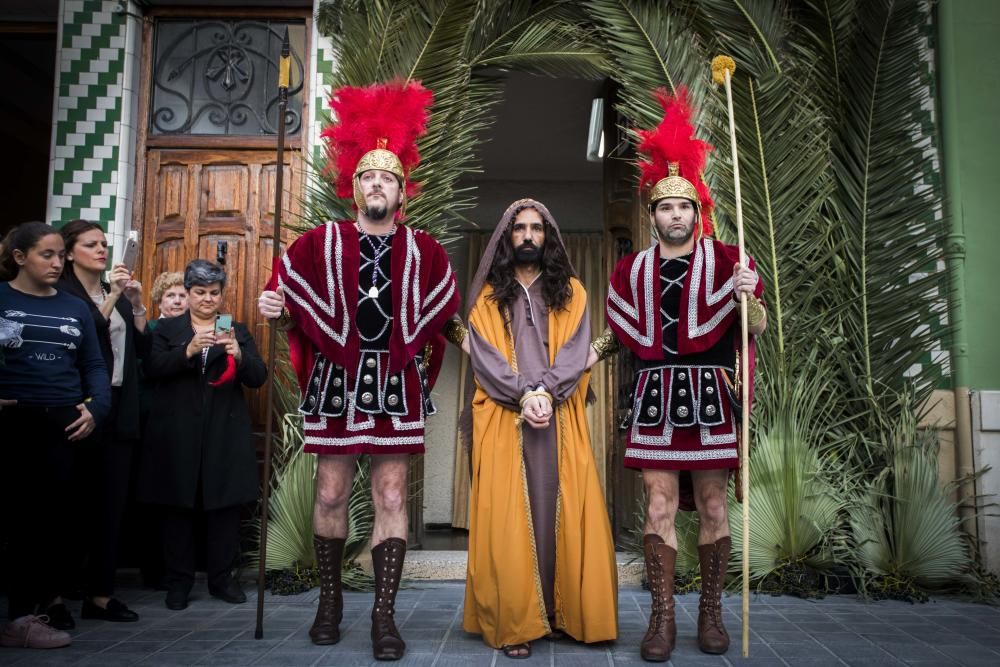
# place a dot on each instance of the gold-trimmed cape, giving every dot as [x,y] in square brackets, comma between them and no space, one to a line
[503,594]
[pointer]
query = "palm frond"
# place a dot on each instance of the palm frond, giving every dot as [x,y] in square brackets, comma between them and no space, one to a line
[794,506]
[883,203]
[647,52]
[904,526]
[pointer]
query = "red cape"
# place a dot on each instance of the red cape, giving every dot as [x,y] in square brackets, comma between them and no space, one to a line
[319,277]
[707,308]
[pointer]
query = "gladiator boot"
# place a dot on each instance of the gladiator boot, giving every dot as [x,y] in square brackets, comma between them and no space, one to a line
[387,561]
[662,633]
[329,554]
[713,558]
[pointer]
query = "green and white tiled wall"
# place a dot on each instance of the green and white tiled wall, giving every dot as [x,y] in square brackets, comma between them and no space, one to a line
[93,138]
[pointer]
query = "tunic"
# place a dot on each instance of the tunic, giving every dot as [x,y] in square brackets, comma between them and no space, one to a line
[366,361]
[679,319]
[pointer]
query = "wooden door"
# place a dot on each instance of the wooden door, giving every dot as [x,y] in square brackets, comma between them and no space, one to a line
[198,201]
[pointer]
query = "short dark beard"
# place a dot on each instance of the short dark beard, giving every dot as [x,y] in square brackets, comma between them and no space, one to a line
[377,213]
[527,254]
[662,234]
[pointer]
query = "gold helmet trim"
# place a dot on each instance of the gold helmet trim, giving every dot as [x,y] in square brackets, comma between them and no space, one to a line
[674,185]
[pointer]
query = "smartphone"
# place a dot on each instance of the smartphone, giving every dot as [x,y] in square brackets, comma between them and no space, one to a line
[223,325]
[131,254]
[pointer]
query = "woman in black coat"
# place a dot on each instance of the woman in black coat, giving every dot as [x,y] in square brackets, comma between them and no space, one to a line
[199,453]
[104,462]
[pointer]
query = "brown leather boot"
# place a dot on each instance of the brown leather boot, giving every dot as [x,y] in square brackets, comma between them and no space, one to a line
[387,561]
[329,554]
[713,558]
[662,633]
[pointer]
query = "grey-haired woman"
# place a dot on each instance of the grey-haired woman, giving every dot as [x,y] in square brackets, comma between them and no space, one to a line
[199,452]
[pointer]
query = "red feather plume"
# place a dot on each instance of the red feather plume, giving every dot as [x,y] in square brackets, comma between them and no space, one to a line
[394,112]
[672,141]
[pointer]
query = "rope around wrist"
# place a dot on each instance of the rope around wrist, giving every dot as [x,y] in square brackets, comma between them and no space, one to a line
[531,394]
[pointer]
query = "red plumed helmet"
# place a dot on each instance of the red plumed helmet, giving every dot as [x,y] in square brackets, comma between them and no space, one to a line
[676,158]
[376,127]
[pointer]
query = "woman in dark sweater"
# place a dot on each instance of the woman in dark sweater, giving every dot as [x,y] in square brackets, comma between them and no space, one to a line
[54,391]
[105,464]
[198,454]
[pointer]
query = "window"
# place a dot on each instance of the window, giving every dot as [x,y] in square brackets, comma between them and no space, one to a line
[220,77]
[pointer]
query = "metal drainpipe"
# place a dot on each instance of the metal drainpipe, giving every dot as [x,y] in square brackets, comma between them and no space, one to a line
[955,258]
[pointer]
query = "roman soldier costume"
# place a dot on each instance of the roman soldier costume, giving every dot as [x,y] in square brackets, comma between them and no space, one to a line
[679,319]
[368,313]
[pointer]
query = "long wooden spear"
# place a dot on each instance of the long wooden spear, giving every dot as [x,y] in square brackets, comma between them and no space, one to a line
[279,173]
[723,68]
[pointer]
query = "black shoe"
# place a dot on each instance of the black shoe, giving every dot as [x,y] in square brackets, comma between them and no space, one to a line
[176,600]
[116,611]
[59,617]
[229,592]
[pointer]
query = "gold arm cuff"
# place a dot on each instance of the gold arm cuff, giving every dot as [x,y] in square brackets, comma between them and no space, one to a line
[755,311]
[532,394]
[455,332]
[606,345]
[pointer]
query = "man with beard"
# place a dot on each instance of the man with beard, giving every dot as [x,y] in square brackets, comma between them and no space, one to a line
[365,302]
[541,558]
[675,306]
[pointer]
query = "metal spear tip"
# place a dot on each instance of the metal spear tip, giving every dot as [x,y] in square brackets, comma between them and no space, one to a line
[285,48]
[719,66]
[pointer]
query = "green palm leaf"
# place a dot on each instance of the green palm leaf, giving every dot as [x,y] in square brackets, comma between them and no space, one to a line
[883,203]
[904,526]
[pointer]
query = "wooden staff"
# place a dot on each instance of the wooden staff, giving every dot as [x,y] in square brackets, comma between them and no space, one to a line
[279,173]
[723,68]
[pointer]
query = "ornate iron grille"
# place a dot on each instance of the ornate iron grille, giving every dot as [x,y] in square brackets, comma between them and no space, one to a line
[220,77]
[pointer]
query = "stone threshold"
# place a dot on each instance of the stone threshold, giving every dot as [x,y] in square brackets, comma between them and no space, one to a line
[451,566]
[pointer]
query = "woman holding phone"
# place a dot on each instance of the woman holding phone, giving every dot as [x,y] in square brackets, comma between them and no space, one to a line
[54,391]
[199,453]
[104,468]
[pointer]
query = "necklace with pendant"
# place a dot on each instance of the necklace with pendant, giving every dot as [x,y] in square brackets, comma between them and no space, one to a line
[381,249]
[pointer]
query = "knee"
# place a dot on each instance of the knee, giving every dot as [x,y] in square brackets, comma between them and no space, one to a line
[661,507]
[331,498]
[390,498]
[712,508]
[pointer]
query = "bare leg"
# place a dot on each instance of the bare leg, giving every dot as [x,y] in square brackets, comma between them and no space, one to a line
[710,499]
[334,477]
[389,486]
[661,504]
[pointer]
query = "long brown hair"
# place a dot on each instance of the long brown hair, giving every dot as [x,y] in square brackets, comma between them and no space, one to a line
[555,265]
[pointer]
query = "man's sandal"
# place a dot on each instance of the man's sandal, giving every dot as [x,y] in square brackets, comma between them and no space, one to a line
[509,651]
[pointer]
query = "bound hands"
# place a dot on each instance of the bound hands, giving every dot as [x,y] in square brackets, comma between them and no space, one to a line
[537,411]
[83,426]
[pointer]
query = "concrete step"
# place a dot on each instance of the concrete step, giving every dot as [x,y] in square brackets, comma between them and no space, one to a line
[451,566]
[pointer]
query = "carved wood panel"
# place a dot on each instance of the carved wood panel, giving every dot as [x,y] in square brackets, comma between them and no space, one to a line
[203,204]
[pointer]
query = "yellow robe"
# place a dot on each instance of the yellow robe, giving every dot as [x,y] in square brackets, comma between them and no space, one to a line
[503,594]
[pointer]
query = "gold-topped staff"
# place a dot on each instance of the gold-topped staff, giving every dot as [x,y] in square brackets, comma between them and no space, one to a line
[279,173]
[723,68]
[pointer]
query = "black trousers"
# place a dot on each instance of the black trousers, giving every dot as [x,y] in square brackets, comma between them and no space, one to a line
[37,488]
[222,545]
[103,474]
